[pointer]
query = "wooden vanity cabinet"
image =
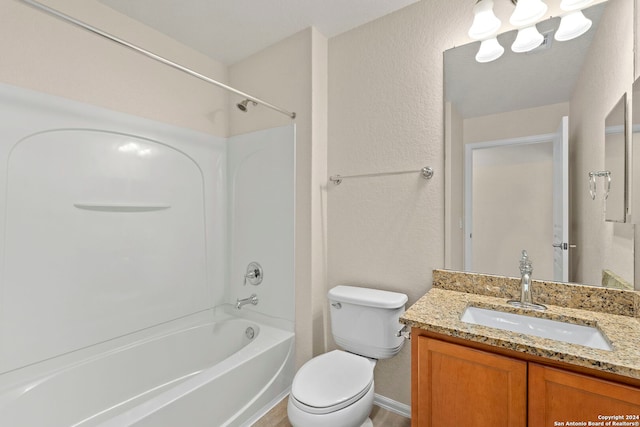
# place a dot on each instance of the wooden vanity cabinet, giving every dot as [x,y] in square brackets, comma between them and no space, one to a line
[455,385]
[460,386]
[557,396]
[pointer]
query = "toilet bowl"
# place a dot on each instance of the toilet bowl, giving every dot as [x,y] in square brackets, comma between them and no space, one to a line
[336,388]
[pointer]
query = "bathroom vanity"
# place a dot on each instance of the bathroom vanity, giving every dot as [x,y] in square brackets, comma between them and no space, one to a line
[465,373]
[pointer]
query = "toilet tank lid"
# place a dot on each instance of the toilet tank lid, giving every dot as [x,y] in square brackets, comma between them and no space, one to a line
[367,297]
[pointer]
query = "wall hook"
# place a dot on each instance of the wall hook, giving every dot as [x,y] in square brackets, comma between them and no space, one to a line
[592,183]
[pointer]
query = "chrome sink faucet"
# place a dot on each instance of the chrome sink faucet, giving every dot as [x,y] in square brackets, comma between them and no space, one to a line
[526,300]
[253,299]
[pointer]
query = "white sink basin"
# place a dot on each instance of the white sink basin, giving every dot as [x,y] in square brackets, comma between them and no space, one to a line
[588,336]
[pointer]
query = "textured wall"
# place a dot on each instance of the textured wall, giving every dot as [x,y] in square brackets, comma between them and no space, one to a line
[386,114]
[608,75]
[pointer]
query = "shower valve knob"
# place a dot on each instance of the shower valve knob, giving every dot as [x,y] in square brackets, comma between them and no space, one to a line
[254,274]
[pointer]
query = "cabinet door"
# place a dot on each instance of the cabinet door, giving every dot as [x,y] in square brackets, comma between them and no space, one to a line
[557,397]
[459,386]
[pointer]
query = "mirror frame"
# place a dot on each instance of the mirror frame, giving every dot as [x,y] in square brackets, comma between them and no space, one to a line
[616,210]
[633,162]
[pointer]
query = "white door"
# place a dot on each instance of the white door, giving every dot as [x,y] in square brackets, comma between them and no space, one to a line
[511,206]
[539,190]
[561,202]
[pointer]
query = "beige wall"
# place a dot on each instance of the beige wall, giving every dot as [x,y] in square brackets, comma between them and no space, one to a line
[45,54]
[599,88]
[386,114]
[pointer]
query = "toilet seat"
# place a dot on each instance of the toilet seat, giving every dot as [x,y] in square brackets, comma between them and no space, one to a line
[332,381]
[329,409]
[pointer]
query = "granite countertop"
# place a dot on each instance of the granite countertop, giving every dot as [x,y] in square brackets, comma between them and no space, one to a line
[439,311]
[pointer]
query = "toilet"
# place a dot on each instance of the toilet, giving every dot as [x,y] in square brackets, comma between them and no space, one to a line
[336,388]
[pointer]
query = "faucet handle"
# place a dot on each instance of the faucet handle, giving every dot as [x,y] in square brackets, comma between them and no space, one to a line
[254,274]
[525,263]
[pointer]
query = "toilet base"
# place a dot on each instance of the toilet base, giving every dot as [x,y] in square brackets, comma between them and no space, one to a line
[367,423]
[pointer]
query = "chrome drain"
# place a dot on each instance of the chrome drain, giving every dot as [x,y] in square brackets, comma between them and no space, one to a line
[250,333]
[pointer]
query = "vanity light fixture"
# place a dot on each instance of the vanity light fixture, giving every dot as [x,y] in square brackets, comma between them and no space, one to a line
[527,39]
[490,50]
[527,13]
[485,27]
[525,16]
[573,24]
[485,23]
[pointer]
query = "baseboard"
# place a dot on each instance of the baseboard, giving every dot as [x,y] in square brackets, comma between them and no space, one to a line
[392,405]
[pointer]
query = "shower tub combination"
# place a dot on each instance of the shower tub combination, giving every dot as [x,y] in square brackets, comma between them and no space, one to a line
[119,279]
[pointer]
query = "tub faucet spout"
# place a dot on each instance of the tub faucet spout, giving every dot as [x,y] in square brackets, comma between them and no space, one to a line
[253,299]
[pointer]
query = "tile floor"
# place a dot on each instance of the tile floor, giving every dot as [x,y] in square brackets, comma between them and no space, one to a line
[277,417]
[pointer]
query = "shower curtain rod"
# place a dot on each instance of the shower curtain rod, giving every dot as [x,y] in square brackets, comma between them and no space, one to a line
[152,55]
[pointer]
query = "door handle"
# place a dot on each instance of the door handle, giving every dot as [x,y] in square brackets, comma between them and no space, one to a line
[563,246]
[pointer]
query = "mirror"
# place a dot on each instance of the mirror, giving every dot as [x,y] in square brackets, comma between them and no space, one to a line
[510,183]
[614,177]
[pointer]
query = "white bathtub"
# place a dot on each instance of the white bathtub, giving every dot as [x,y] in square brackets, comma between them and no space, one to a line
[209,374]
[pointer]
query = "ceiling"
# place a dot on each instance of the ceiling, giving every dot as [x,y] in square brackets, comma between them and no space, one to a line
[231,30]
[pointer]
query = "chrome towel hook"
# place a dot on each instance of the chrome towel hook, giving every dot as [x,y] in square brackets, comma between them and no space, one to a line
[592,183]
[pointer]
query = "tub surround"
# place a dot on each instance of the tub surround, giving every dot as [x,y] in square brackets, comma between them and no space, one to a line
[615,312]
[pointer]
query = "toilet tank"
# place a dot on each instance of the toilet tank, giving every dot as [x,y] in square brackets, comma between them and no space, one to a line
[365,321]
